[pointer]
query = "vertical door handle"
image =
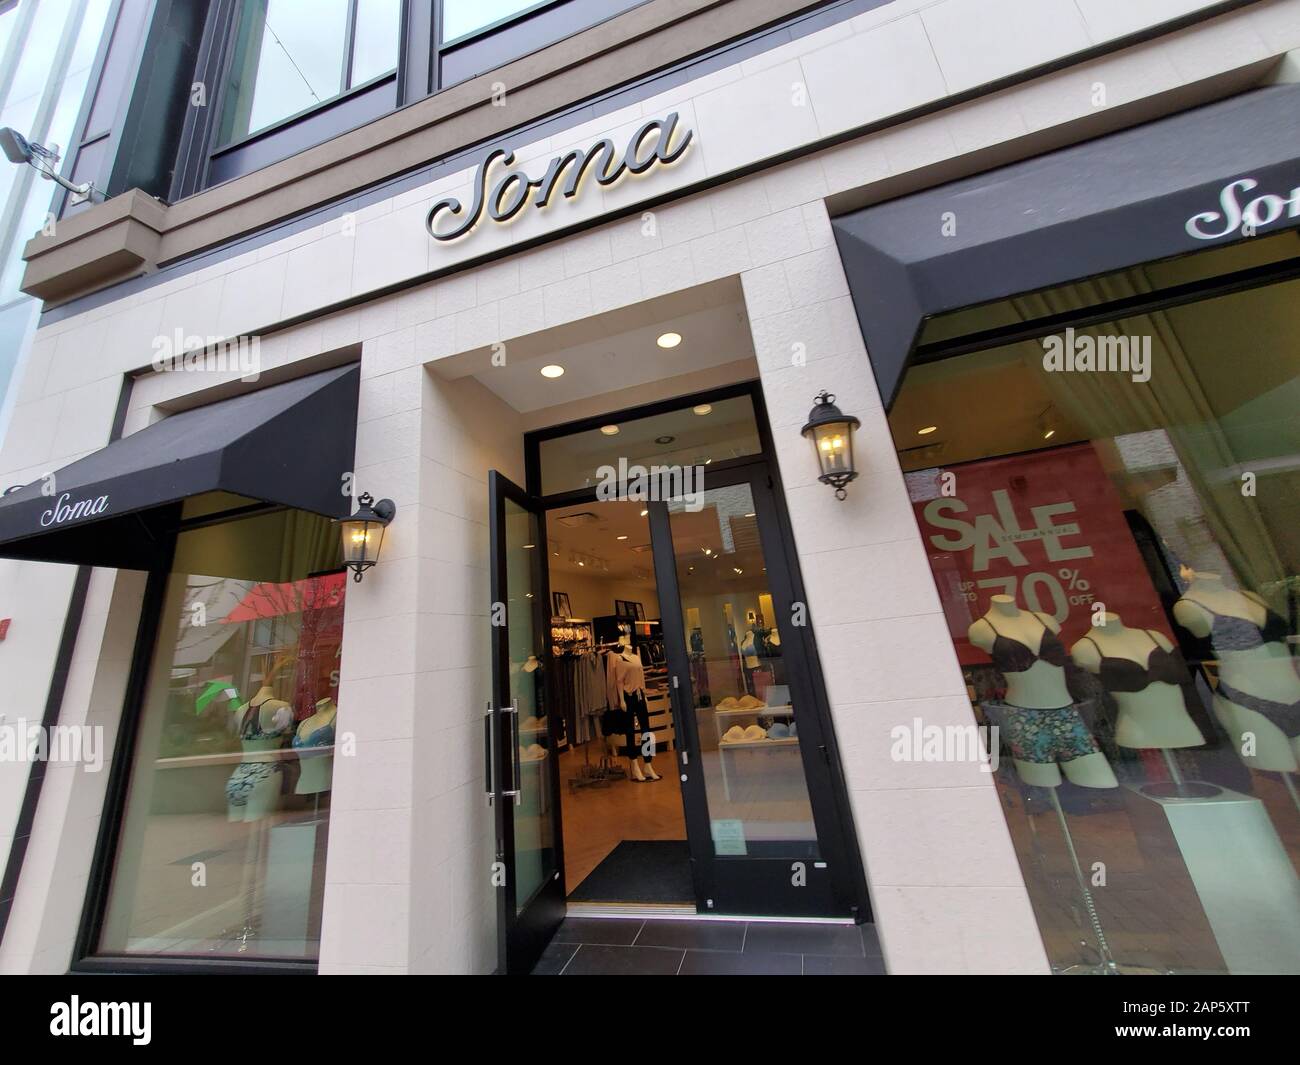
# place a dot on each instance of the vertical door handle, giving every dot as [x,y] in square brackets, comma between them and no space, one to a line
[516,771]
[489,753]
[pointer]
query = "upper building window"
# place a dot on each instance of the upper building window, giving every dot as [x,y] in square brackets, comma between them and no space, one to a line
[460,18]
[289,57]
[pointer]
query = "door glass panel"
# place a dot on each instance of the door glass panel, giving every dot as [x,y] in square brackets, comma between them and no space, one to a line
[748,728]
[534,857]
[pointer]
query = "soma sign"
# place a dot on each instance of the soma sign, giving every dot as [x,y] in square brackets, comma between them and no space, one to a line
[512,190]
[64,511]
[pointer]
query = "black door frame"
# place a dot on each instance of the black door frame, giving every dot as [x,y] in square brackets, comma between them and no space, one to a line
[828,787]
[521,935]
[749,885]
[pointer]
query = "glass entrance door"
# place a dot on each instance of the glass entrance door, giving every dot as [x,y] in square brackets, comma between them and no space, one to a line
[519,742]
[756,769]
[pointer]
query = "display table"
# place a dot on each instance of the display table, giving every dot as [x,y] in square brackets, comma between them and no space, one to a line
[1242,875]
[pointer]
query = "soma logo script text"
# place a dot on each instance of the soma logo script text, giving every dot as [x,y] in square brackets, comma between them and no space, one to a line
[510,192]
[64,511]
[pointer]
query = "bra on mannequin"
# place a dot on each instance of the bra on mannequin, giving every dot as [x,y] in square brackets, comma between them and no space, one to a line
[1125,675]
[1231,633]
[1012,656]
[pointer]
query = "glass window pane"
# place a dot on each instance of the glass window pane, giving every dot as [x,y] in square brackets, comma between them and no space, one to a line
[690,436]
[289,56]
[222,847]
[748,728]
[1112,517]
[535,858]
[374,48]
[460,17]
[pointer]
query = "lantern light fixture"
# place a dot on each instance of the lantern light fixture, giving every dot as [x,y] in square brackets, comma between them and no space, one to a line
[831,432]
[363,533]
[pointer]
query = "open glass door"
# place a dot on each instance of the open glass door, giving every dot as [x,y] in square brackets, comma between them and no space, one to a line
[765,834]
[520,747]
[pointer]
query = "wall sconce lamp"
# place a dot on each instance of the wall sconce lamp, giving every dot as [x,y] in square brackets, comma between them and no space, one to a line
[363,533]
[831,432]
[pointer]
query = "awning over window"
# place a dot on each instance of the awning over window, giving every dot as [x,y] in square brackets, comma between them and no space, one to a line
[1177,185]
[290,444]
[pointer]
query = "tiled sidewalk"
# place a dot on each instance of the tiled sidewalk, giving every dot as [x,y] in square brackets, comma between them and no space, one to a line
[588,946]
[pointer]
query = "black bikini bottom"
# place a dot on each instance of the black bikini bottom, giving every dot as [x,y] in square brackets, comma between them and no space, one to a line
[1284,716]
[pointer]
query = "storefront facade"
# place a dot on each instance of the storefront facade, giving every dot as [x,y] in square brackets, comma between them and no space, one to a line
[804,210]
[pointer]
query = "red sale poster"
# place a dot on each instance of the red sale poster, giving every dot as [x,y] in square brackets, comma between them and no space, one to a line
[1047,528]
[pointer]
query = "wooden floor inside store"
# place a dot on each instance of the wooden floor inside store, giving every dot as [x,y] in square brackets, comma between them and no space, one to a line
[597,819]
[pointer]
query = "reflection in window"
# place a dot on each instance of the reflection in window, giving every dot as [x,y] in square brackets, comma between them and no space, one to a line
[290,56]
[222,849]
[1117,552]
[461,17]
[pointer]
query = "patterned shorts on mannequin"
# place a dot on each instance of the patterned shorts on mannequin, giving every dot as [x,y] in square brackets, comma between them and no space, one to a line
[247,778]
[1046,736]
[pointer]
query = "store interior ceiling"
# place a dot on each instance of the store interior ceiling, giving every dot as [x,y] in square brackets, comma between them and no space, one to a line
[584,539]
[619,350]
[976,406]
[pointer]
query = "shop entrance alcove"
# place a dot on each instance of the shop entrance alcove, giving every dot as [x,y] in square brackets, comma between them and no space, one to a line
[658,740]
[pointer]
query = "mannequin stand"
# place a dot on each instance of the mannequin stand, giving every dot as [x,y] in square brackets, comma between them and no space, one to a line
[1176,787]
[1106,965]
[1106,962]
[595,776]
[248,890]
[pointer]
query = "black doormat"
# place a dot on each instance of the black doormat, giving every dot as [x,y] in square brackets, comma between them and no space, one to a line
[640,870]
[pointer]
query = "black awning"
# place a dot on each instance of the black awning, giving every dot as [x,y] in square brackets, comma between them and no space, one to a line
[1146,193]
[290,444]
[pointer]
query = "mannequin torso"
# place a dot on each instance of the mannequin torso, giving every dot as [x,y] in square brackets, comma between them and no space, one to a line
[1156,715]
[316,770]
[1255,663]
[1041,686]
[1046,734]
[253,790]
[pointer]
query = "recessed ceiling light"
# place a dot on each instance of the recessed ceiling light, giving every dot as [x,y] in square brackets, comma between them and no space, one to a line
[622,538]
[669,340]
[703,408]
[609,430]
[1049,434]
[527,546]
[552,371]
[661,440]
[927,430]
[750,514]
